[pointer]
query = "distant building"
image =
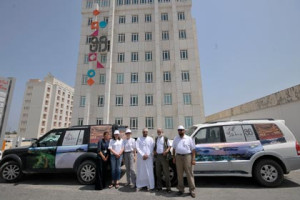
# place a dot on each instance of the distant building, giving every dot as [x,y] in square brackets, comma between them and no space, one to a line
[284,105]
[6,92]
[151,76]
[47,104]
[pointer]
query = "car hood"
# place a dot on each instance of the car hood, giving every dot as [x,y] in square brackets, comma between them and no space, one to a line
[15,150]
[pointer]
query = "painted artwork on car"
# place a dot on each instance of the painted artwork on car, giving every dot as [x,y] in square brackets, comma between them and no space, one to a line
[269,134]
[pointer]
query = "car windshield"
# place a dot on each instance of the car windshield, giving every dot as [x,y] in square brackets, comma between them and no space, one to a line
[191,130]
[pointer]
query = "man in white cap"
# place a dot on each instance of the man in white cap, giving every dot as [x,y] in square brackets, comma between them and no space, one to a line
[129,157]
[145,175]
[184,158]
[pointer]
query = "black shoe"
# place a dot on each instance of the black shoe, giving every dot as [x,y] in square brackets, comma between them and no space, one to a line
[158,189]
[168,190]
[179,193]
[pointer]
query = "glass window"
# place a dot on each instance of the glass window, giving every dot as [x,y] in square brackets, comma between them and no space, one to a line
[134,78]
[169,122]
[249,133]
[187,98]
[164,16]
[182,34]
[101,101]
[119,100]
[269,133]
[135,18]
[121,38]
[121,57]
[148,18]
[90,19]
[82,101]
[102,79]
[168,99]
[148,36]
[148,56]
[149,99]
[86,59]
[185,75]
[134,37]
[73,137]
[122,19]
[183,54]
[119,121]
[134,56]
[134,100]
[208,135]
[149,122]
[166,55]
[234,134]
[99,121]
[167,76]
[103,58]
[181,16]
[120,78]
[133,123]
[84,79]
[165,35]
[148,77]
[188,121]
[51,139]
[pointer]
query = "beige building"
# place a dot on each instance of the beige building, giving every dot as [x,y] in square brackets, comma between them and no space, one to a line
[47,105]
[284,105]
[151,76]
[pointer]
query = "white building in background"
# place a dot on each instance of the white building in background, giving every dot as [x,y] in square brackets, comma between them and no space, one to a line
[284,105]
[46,105]
[151,76]
[6,92]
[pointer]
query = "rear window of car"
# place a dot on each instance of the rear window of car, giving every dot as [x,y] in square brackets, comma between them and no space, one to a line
[269,133]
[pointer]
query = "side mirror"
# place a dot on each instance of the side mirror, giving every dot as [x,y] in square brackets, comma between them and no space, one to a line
[34,143]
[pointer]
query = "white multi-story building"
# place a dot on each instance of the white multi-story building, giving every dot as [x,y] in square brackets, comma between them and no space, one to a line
[46,105]
[151,76]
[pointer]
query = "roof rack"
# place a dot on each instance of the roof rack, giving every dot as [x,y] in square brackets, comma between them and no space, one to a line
[213,122]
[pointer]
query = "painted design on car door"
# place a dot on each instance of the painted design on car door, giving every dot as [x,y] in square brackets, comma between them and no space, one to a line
[42,156]
[72,147]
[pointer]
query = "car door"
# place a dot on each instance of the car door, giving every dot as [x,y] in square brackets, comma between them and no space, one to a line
[210,155]
[41,156]
[74,144]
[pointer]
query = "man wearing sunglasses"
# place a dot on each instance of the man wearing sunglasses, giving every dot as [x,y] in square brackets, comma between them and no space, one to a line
[184,158]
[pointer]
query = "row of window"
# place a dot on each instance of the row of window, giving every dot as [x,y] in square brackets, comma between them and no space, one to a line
[106,3]
[149,122]
[148,18]
[134,100]
[134,77]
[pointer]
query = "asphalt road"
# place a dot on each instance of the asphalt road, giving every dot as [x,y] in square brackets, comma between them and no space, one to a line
[66,187]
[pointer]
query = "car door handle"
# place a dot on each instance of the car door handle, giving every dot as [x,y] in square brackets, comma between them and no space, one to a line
[79,150]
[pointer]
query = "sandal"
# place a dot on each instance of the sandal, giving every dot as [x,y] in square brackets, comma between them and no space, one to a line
[111,186]
[117,186]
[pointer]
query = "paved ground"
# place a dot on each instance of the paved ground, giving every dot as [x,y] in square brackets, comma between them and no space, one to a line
[66,187]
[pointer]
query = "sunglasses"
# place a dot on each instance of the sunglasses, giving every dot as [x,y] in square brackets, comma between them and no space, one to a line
[180,129]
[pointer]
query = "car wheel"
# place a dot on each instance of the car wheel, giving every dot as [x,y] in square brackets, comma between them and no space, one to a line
[86,173]
[173,174]
[268,173]
[11,172]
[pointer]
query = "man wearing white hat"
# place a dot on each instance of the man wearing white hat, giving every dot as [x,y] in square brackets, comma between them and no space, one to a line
[129,157]
[184,158]
[145,175]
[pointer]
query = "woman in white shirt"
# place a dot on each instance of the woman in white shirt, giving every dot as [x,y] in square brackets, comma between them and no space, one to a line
[129,158]
[116,148]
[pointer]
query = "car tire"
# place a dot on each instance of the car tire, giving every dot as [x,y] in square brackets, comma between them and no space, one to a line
[11,172]
[86,172]
[268,173]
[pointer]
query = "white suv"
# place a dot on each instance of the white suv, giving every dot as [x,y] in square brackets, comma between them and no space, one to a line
[263,149]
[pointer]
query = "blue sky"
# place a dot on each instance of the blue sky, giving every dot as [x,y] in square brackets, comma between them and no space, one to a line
[248,49]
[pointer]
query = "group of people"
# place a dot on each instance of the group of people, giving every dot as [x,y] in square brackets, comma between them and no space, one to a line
[143,151]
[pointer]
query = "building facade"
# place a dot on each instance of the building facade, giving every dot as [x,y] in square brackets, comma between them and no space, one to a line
[284,105]
[147,68]
[46,105]
[7,86]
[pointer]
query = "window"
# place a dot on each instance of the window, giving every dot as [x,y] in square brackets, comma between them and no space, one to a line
[165,35]
[183,54]
[134,77]
[169,122]
[127,2]
[208,135]
[101,101]
[135,19]
[119,2]
[168,99]
[119,100]
[134,56]
[88,39]
[121,57]
[86,59]
[148,18]
[120,78]
[148,56]
[51,139]
[103,58]
[133,100]
[82,101]
[187,99]
[148,77]
[84,79]
[148,36]
[89,4]
[102,79]
[182,34]
[80,121]
[269,133]
[149,122]
[73,137]
[122,19]
[181,16]
[90,19]
[167,76]
[121,38]
[105,19]
[119,121]
[185,75]
[135,1]
[134,37]
[164,17]
[234,134]
[99,121]
[133,123]
[188,121]
[166,55]
[149,99]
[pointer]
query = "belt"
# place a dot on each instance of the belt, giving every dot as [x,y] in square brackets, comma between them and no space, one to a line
[183,154]
[128,152]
